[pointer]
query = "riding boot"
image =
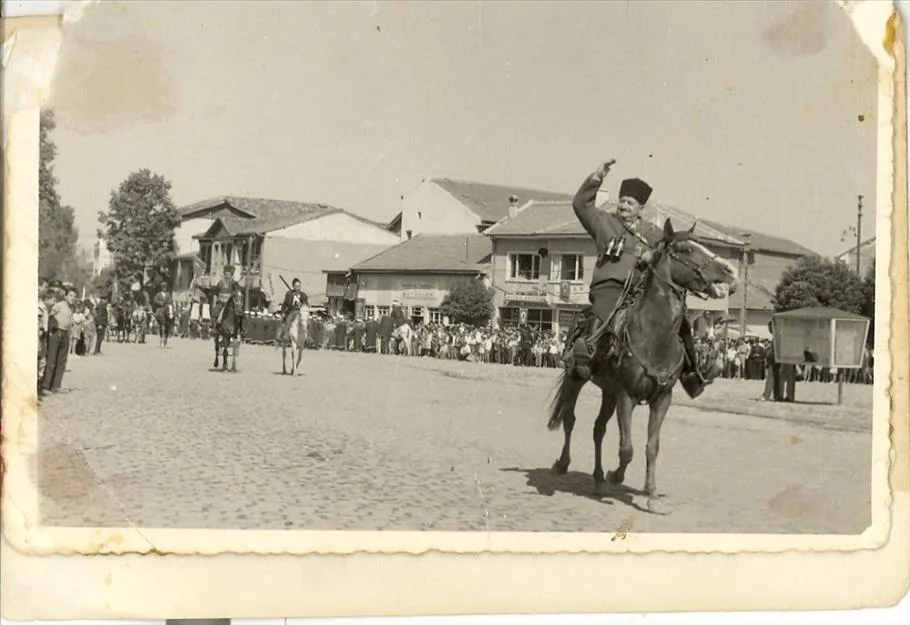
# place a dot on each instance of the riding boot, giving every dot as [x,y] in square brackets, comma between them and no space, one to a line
[693,380]
[582,352]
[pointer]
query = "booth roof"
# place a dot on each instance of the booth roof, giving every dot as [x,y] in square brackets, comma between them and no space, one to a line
[818,312]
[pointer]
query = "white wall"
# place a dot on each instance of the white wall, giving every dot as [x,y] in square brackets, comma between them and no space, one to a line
[183,234]
[431,210]
[338,227]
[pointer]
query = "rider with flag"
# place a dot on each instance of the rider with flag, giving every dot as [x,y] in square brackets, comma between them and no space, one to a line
[623,241]
[295,298]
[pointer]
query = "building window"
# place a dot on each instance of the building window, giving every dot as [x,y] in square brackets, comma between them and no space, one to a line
[524,267]
[382,311]
[434,315]
[538,318]
[571,267]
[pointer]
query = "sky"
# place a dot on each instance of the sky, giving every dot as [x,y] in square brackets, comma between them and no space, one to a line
[758,115]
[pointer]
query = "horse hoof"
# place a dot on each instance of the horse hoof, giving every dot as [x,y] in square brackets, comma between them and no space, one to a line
[656,506]
[614,478]
[560,468]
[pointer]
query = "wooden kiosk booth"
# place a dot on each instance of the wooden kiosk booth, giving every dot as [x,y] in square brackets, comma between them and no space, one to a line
[824,337]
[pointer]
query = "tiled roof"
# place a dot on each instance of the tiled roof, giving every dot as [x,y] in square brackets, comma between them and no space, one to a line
[558,219]
[817,312]
[433,253]
[260,208]
[275,215]
[266,215]
[490,202]
[765,242]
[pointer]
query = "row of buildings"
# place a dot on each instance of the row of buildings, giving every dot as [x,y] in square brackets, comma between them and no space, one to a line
[525,243]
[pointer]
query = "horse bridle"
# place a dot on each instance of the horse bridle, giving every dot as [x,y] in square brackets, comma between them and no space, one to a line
[667,248]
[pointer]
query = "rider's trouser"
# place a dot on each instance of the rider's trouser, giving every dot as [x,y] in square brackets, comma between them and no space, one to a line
[603,298]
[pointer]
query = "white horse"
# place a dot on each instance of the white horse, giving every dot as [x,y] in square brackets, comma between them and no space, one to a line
[402,334]
[297,331]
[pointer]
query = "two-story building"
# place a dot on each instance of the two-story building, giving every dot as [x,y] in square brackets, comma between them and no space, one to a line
[418,272]
[542,261]
[288,240]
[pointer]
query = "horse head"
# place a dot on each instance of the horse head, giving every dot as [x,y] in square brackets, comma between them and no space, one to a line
[691,266]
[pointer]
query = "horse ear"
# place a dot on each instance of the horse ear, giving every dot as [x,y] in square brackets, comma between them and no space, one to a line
[668,229]
[692,229]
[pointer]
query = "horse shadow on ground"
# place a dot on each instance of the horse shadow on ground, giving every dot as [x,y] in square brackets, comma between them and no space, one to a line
[220,370]
[547,483]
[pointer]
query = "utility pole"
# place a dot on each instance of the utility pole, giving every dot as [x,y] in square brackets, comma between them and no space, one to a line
[858,232]
[249,273]
[747,243]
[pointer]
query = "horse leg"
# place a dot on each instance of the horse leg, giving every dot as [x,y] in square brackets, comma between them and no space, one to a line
[234,351]
[564,411]
[607,406]
[215,365]
[655,421]
[624,408]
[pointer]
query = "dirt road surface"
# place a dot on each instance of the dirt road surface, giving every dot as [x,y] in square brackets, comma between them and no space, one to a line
[151,437]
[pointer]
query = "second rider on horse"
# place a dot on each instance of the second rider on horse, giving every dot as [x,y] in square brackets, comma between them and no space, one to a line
[226,288]
[623,241]
[294,299]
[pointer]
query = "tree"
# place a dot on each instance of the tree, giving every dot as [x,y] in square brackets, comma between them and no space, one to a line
[57,233]
[819,282]
[468,302]
[138,228]
[103,283]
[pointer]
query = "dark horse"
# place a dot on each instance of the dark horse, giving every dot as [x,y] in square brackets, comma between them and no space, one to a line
[124,321]
[165,318]
[645,359]
[227,333]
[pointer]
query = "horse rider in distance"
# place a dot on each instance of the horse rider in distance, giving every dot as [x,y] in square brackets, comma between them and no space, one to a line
[397,315]
[294,298]
[226,288]
[162,298]
[623,241]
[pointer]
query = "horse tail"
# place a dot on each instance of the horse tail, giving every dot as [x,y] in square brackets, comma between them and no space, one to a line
[561,400]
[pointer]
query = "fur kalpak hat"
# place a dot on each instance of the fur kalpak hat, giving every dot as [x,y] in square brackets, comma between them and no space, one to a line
[635,188]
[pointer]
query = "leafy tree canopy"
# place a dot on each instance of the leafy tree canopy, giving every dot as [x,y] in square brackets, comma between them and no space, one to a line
[820,282]
[468,302]
[57,233]
[138,228]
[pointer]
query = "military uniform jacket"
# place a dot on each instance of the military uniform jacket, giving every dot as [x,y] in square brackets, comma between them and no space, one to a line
[618,248]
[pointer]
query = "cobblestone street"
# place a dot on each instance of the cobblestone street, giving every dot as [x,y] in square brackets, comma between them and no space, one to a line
[152,437]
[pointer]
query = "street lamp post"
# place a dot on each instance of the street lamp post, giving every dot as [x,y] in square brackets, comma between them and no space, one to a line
[857,232]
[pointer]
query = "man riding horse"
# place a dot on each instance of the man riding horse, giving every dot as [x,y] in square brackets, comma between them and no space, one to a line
[399,319]
[226,288]
[162,308]
[623,241]
[294,299]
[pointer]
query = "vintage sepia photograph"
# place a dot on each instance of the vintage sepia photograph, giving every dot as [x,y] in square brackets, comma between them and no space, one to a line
[464,276]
